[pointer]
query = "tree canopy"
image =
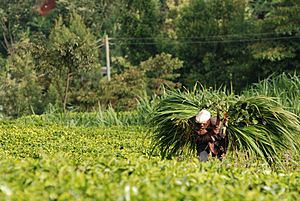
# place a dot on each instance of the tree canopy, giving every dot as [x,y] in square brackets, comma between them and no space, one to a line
[171,42]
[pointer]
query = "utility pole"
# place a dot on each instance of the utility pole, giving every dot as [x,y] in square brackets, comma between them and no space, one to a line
[106,40]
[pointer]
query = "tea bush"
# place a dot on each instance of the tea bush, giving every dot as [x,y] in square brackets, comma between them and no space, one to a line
[58,162]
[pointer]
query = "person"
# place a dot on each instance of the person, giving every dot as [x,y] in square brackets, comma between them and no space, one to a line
[209,136]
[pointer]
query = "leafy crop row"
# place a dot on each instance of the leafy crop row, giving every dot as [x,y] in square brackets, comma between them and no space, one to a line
[55,162]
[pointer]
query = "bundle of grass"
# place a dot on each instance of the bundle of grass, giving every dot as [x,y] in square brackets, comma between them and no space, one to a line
[258,125]
[286,87]
[173,118]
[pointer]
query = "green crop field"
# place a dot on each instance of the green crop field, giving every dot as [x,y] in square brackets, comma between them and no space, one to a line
[58,162]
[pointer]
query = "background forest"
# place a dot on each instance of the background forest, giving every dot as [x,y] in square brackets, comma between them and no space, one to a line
[55,61]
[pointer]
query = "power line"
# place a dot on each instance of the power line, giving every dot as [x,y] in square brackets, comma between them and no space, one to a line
[216,41]
[200,37]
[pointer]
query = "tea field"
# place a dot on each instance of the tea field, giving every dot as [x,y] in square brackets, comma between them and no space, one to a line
[59,162]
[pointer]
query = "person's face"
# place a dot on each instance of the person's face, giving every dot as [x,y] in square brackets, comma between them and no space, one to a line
[204,125]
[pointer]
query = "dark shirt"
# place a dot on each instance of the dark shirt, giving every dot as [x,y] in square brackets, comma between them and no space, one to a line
[218,140]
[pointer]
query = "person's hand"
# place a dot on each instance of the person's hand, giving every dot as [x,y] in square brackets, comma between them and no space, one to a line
[212,148]
[217,130]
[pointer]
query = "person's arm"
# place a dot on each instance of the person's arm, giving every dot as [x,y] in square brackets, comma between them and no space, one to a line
[216,125]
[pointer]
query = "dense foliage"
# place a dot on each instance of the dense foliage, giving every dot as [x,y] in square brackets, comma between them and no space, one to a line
[231,43]
[84,137]
[257,125]
[45,161]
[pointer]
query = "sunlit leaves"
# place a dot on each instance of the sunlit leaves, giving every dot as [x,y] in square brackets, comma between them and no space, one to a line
[258,125]
[55,162]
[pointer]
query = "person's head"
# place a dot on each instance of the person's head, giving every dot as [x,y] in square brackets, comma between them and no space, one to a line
[203,118]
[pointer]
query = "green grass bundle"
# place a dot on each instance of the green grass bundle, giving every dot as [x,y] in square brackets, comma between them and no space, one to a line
[173,122]
[286,87]
[258,125]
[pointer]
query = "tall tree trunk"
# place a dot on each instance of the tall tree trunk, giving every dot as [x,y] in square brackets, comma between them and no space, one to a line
[69,74]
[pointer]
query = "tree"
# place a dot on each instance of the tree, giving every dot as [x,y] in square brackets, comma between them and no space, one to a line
[138,26]
[278,49]
[124,89]
[210,33]
[131,82]
[17,17]
[161,71]
[20,92]
[72,51]
[169,12]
